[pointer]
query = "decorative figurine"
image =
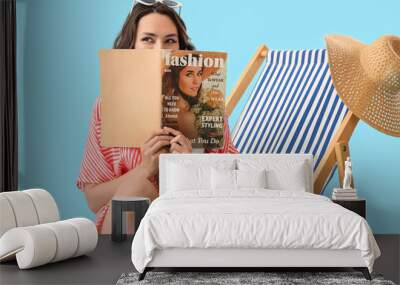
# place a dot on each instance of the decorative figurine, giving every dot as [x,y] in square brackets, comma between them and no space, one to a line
[347,174]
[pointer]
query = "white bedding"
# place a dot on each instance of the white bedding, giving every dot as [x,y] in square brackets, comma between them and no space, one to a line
[251,218]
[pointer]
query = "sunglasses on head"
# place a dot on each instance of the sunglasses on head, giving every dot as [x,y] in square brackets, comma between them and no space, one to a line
[169,3]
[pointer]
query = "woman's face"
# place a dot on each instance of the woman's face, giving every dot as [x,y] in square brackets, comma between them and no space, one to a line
[190,79]
[156,31]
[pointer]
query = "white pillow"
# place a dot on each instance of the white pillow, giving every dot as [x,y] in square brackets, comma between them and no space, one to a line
[281,174]
[251,178]
[292,178]
[192,176]
[223,179]
[183,177]
[236,179]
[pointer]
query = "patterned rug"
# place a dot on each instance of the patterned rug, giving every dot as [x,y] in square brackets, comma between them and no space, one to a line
[270,278]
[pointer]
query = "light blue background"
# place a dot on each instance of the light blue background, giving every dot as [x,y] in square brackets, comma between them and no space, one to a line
[58,80]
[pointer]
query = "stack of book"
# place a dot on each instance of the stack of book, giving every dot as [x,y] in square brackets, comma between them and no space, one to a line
[344,194]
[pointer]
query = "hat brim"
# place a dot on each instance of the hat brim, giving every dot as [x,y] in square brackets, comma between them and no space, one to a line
[359,93]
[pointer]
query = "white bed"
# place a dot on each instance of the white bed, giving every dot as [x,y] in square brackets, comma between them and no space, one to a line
[201,219]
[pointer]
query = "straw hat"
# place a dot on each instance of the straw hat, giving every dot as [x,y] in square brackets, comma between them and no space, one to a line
[367,79]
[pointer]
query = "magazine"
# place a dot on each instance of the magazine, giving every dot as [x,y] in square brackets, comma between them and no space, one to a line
[144,90]
[193,90]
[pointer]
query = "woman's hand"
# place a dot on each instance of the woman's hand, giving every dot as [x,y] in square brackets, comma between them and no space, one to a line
[180,143]
[158,143]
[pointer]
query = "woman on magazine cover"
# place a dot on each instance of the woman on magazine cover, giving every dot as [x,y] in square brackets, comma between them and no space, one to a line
[184,83]
[183,89]
[122,171]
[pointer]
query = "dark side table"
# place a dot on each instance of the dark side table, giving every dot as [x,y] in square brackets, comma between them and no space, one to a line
[357,206]
[121,205]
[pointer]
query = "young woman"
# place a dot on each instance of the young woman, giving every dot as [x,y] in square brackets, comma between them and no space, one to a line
[122,171]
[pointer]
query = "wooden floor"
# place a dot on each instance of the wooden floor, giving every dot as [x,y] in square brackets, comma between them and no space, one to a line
[389,262]
[110,260]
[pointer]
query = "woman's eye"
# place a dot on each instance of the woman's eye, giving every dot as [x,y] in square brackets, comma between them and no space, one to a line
[147,40]
[171,41]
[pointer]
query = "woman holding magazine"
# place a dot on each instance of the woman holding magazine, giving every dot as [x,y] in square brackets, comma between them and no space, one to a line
[122,171]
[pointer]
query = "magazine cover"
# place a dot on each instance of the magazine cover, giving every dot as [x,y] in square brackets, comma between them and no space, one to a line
[193,91]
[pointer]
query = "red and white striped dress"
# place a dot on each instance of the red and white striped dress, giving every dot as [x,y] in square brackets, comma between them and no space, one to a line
[102,164]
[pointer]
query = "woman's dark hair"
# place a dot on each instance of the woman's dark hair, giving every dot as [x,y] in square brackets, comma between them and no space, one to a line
[127,36]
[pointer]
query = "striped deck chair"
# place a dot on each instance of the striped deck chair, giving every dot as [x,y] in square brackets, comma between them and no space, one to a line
[293,108]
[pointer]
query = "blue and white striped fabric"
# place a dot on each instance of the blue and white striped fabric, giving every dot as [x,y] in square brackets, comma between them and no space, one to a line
[293,108]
